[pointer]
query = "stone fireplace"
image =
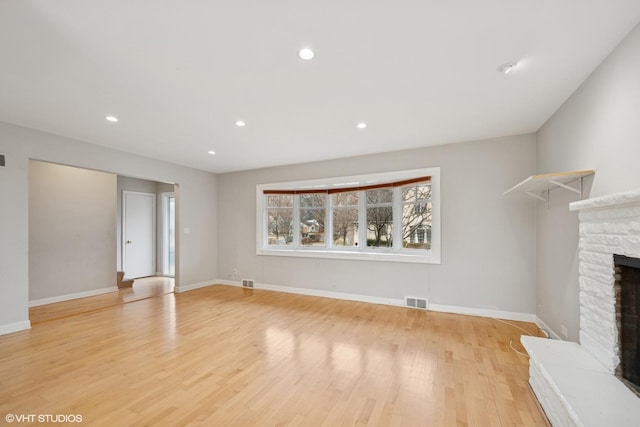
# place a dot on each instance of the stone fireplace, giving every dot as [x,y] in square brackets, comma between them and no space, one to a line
[576,384]
[609,227]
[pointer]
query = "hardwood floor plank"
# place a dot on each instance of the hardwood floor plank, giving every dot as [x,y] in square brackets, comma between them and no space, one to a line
[229,356]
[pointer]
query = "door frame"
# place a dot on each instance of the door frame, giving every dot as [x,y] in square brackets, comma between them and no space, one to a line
[164,201]
[153,226]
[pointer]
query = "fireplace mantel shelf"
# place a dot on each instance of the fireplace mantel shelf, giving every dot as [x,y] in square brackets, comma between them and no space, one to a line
[538,186]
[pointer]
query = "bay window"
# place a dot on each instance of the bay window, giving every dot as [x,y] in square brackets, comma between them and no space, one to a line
[391,216]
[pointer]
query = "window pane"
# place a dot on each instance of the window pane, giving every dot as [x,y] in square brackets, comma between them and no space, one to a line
[375,197]
[417,192]
[312,200]
[280,201]
[312,216]
[280,226]
[345,218]
[379,226]
[349,198]
[416,217]
[345,226]
[312,227]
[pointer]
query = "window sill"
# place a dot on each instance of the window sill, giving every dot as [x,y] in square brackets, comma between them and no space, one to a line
[428,258]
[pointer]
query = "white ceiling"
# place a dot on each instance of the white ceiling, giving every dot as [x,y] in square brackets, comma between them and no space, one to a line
[178,74]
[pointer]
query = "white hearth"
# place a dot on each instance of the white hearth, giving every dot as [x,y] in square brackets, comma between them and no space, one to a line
[575,384]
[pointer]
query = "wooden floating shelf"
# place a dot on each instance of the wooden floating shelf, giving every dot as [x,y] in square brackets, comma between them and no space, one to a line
[535,185]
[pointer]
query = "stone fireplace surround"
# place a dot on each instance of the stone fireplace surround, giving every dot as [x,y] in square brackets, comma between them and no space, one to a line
[575,383]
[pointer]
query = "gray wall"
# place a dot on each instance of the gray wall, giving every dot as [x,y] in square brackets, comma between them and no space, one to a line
[196,200]
[72,216]
[598,128]
[488,247]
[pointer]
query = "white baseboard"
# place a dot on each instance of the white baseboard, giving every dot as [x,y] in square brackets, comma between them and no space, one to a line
[15,327]
[192,286]
[318,293]
[44,301]
[546,328]
[484,312]
[507,315]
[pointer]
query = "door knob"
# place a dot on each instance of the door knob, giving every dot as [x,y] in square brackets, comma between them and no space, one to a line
[128,242]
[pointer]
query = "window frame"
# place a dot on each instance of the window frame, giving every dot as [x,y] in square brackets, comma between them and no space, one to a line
[361,252]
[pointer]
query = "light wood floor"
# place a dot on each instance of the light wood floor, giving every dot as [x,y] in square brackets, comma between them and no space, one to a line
[226,356]
[142,288]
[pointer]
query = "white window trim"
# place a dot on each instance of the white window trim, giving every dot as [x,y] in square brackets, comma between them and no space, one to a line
[432,256]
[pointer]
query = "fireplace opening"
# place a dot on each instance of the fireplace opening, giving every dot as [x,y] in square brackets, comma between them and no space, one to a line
[627,291]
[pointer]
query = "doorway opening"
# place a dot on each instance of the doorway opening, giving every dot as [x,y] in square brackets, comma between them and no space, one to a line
[76,239]
[146,239]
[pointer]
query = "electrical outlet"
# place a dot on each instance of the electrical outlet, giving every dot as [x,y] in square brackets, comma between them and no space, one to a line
[563,331]
[234,274]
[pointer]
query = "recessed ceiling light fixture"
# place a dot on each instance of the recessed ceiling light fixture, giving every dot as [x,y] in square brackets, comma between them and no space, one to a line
[361,125]
[112,119]
[240,123]
[211,152]
[507,67]
[306,54]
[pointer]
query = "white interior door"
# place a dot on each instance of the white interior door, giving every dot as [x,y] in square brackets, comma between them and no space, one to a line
[138,234]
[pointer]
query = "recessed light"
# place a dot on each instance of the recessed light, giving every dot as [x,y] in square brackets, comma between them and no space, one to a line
[507,67]
[112,119]
[361,125]
[306,54]
[211,152]
[240,123]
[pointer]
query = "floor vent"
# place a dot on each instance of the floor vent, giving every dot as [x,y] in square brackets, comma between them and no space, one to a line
[414,302]
[247,283]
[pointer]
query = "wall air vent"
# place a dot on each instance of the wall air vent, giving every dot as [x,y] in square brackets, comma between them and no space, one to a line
[415,302]
[247,283]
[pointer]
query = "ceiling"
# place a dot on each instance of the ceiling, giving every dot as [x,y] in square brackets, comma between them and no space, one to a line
[179,74]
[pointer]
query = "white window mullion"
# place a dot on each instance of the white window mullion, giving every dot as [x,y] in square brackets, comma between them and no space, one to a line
[397,218]
[266,221]
[296,221]
[362,220]
[262,200]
